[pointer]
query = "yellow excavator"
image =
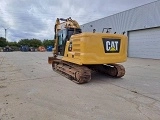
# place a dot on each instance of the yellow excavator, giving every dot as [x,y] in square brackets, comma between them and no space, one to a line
[77,53]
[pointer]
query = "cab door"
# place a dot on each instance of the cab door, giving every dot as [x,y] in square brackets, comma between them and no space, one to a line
[62,38]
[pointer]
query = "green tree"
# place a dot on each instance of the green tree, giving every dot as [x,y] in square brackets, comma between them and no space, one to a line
[30,42]
[3,42]
[12,44]
[35,43]
[48,43]
[24,42]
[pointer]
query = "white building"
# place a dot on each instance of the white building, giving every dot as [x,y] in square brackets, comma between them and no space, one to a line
[142,26]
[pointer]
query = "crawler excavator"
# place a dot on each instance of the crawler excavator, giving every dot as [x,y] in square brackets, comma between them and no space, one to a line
[77,53]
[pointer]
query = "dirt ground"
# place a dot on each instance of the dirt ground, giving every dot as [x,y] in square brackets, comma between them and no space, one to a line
[30,90]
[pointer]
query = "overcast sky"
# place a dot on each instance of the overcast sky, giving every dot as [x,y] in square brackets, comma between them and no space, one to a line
[36,18]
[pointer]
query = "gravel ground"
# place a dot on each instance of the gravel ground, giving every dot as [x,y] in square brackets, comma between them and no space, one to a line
[30,90]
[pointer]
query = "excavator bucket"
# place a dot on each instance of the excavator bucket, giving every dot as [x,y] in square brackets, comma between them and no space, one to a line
[50,60]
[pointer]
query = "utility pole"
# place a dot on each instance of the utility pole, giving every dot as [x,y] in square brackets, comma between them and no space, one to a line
[5,29]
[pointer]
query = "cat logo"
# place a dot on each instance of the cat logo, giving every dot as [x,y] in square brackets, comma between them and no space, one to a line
[111,45]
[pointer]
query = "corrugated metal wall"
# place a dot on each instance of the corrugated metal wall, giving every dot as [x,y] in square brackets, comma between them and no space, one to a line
[142,17]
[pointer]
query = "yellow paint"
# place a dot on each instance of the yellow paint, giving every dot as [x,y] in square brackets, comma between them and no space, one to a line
[88,48]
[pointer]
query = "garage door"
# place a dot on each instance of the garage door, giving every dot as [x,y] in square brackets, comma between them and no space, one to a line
[144,43]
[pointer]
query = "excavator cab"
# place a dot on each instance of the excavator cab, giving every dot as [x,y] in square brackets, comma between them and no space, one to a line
[64,36]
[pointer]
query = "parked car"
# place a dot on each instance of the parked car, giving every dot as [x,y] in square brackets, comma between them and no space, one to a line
[32,49]
[24,48]
[49,48]
[41,49]
[7,49]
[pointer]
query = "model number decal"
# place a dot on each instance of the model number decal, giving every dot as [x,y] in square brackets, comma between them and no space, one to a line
[111,45]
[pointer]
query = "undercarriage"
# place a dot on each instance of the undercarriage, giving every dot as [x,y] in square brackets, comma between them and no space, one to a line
[82,73]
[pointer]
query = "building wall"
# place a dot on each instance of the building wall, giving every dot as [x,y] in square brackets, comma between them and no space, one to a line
[142,17]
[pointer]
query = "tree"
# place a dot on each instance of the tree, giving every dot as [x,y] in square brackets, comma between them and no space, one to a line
[12,44]
[30,42]
[23,42]
[3,42]
[48,43]
[35,43]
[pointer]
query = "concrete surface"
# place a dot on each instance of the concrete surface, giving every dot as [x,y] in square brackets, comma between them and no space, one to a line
[30,90]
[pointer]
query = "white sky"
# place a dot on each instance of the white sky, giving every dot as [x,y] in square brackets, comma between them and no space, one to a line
[36,18]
